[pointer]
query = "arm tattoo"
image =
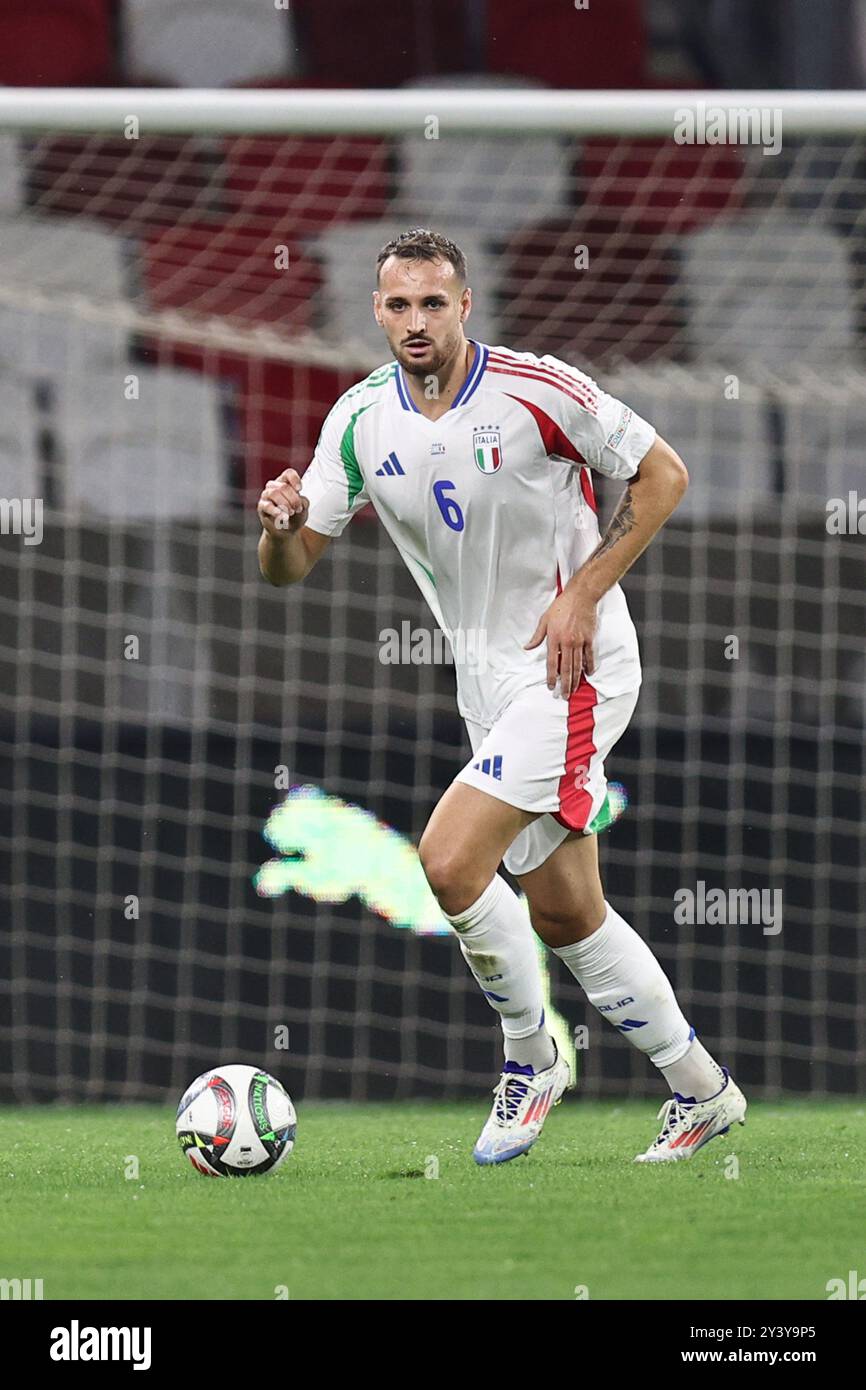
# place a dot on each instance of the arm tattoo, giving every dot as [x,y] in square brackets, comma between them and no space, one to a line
[622,521]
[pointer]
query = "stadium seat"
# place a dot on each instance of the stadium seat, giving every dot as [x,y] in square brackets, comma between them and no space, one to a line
[161,456]
[767,290]
[602,45]
[43,259]
[348,257]
[347,43]
[280,405]
[660,186]
[135,185]
[55,43]
[596,289]
[726,444]
[228,269]
[303,184]
[215,43]
[823,449]
[494,183]
[11,175]
[20,471]
[283,409]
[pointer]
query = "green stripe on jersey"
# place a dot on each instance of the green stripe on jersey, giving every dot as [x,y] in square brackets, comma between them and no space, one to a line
[380,377]
[347,454]
[428,573]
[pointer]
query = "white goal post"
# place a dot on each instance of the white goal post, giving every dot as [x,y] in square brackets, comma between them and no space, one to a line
[327,112]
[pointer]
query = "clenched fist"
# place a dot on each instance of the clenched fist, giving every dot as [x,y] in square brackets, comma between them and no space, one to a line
[282,508]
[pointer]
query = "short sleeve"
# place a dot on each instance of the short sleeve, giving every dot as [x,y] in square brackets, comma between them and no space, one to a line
[333,481]
[605,432]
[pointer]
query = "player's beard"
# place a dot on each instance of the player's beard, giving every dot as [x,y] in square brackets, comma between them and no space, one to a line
[432,364]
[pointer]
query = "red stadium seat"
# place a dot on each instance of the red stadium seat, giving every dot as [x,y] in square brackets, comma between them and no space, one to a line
[284,407]
[350,43]
[660,186]
[555,43]
[55,43]
[228,269]
[136,185]
[308,183]
[616,304]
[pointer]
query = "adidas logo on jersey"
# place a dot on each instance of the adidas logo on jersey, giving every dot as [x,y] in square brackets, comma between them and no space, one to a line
[391,467]
[492,766]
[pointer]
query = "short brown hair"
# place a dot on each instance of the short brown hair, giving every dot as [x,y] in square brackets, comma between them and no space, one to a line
[420,244]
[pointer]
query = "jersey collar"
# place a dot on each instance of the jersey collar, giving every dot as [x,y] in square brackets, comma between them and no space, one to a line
[467,390]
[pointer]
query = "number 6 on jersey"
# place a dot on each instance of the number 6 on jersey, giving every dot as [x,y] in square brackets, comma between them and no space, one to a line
[449,508]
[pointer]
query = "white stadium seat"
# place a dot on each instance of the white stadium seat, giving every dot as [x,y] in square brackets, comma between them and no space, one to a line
[20,472]
[767,291]
[823,430]
[725,444]
[11,175]
[160,457]
[157,459]
[495,184]
[348,255]
[207,43]
[73,260]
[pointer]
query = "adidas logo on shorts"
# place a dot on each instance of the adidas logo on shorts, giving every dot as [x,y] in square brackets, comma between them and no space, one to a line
[492,766]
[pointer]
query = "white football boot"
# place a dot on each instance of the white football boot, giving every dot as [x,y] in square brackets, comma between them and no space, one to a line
[521,1102]
[688,1125]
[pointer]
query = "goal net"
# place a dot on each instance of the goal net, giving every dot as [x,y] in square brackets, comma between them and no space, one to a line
[212,789]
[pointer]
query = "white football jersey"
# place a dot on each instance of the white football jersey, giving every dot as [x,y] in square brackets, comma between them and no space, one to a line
[491,507]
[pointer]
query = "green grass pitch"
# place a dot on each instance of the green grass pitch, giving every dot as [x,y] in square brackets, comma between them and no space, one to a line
[351,1214]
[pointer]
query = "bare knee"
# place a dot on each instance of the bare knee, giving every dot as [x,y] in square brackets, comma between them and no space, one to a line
[564,926]
[456,882]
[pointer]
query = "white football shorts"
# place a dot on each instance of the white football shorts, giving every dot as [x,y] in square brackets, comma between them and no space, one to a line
[546,754]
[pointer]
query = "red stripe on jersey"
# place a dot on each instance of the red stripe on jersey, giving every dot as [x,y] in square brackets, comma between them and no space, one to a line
[575,802]
[556,441]
[583,391]
[588,491]
[560,370]
[531,374]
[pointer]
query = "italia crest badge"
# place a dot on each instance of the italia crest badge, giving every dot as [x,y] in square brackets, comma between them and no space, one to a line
[487,449]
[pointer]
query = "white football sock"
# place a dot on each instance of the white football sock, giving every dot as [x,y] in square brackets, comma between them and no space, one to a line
[498,945]
[624,981]
[696,1076]
[536,1050]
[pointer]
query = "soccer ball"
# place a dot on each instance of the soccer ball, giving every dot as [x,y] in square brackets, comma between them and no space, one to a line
[234,1121]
